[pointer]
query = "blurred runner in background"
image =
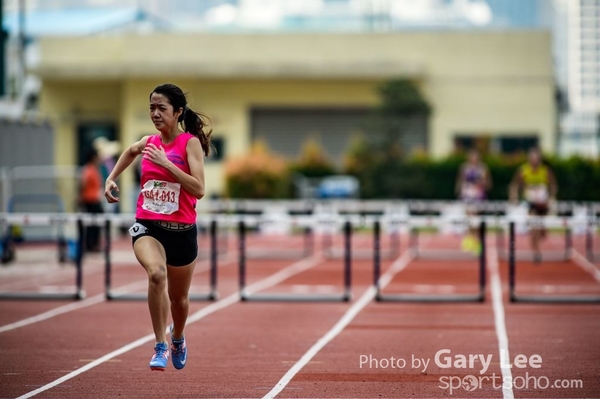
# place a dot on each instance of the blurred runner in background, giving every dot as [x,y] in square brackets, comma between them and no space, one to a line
[535,182]
[472,183]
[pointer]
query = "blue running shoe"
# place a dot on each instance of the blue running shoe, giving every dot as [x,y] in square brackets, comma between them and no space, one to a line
[160,358]
[178,351]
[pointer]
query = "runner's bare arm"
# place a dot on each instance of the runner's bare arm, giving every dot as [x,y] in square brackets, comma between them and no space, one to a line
[552,185]
[487,179]
[126,159]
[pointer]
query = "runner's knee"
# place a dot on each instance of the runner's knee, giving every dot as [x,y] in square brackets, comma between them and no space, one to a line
[158,276]
[179,301]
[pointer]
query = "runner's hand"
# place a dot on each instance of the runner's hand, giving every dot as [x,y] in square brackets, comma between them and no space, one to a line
[155,154]
[109,187]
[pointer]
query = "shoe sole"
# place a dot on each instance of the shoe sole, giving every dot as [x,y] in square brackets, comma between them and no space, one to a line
[179,368]
[158,368]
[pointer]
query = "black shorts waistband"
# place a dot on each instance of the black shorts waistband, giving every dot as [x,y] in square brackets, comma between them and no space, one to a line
[173,226]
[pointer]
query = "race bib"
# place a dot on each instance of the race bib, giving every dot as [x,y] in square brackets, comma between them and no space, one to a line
[161,197]
[536,194]
[471,192]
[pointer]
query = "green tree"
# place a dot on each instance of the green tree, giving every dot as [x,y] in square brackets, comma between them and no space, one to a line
[378,163]
[400,103]
[259,174]
[313,160]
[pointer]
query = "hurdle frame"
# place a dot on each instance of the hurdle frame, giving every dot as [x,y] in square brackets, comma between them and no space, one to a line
[111,295]
[540,299]
[308,247]
[331,253]
[591,230]
[346,296]
[568,235]
[381,297]
[79,291]
[432,254]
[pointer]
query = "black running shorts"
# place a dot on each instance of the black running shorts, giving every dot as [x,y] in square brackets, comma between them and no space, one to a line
[538,209]
[179,240]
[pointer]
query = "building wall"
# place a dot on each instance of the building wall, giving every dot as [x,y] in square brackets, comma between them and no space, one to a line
[583,46]
[492,83]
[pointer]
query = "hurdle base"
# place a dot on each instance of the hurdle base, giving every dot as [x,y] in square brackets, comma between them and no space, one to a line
[360,254]
[115,296]
[443,255]
[429,298]
[593,257]
[569,300]
[527,256]
[274,255]
[284,297]
[42,296]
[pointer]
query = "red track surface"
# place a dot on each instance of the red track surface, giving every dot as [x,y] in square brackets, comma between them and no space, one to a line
[245,349]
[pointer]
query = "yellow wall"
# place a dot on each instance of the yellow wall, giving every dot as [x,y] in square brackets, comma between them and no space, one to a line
[477,83]
[489,108]
[68,103]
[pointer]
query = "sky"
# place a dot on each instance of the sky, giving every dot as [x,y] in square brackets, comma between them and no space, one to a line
[320,14]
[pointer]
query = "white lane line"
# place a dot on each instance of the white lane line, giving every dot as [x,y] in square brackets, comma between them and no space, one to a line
[89,301]
[499,320]
[65,272]
[586,264]
[276,278]
[350,314]
[66,308]
[32,280]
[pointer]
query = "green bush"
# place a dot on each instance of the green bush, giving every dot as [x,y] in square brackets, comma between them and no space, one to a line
[313,161]
[257,175]
[577,178]
[388,175]
[423,178]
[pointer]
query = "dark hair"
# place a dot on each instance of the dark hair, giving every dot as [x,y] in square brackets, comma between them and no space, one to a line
[91,155]
[192,122]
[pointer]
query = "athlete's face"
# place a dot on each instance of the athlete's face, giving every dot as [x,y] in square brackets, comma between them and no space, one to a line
[473,157]
[534,157]
[162,113]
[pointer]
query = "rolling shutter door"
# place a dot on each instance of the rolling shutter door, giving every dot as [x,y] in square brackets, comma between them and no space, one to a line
[286,130]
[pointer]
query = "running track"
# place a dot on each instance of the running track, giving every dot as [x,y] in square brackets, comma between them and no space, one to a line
[97,349]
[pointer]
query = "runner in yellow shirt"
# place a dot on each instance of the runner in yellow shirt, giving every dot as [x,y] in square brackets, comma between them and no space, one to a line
[537,184]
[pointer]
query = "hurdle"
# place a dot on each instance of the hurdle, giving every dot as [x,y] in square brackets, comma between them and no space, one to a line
[381,297]
[392,223]
[36,200]
[307,248]
[430,222]
[537,222]
[512,283]
[591,230]
[291,297]
[113,295]
[58,219]
[204,233]
[392,252]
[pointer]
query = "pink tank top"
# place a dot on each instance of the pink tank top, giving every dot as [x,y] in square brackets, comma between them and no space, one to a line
[161,196]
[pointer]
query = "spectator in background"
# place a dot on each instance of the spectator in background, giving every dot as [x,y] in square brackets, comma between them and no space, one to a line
[107,151]
[536,183]
[90,197]
[472,184]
